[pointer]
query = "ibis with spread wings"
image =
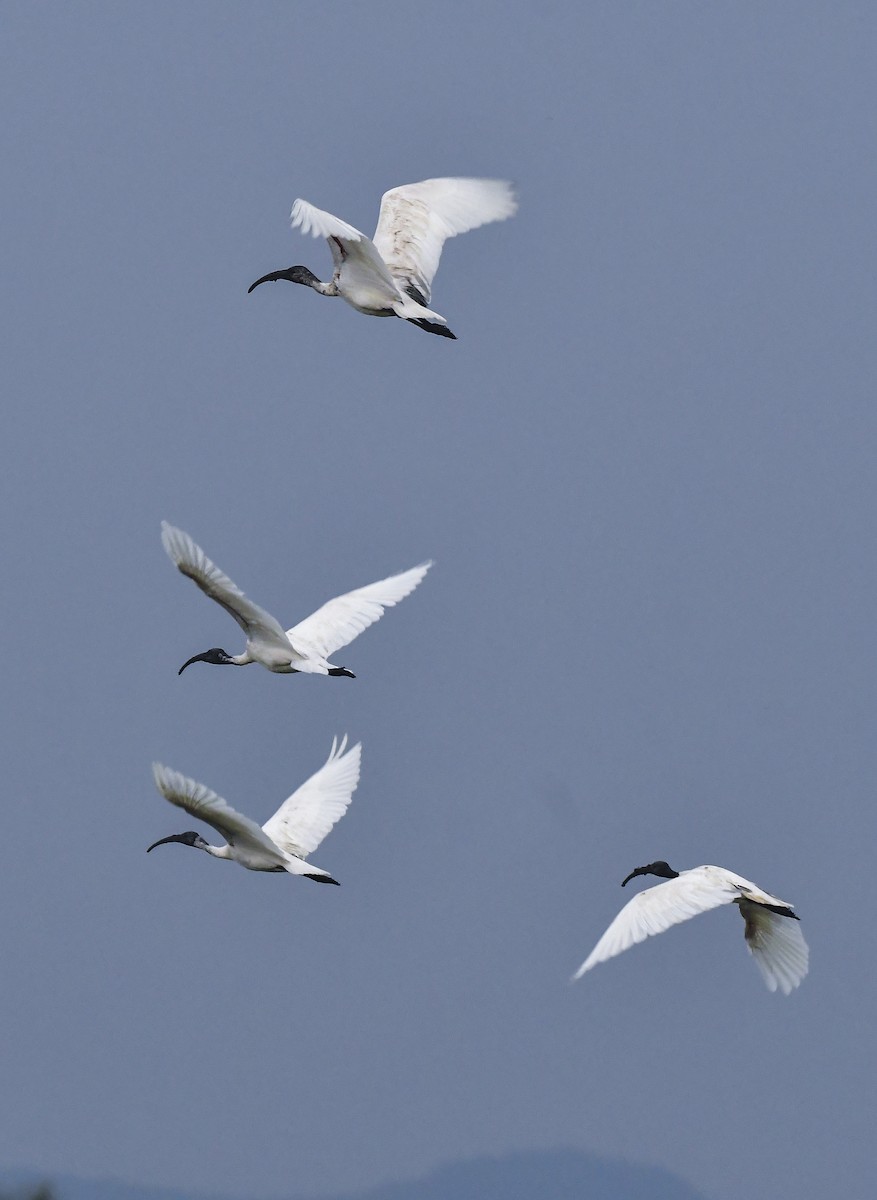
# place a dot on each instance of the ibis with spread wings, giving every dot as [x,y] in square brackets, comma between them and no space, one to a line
[773,932]
[391,275]
[308,646]
[284,842]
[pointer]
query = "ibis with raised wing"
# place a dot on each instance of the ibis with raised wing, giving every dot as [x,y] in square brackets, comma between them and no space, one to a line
[284,842]
[307,646]
[772,929]
[391,275]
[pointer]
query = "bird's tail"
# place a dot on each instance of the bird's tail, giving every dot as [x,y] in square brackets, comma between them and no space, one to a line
[410,309]
[432,327]
[298,866]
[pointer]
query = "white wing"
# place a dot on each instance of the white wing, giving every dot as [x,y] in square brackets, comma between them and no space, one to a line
[304,819]
[347,244]
[193,562]
[314,221]
[777,945]
[199,801]
[415,220]
[339,621]
[657,908]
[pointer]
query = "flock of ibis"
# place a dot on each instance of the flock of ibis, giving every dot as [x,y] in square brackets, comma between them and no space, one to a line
[391,275]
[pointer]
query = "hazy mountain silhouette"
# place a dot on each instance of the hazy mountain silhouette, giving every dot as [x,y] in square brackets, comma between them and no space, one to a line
[534,1175]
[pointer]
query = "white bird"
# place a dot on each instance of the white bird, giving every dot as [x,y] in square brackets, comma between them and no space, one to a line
[307,646]
[284,842]
[772,932]
[392,275]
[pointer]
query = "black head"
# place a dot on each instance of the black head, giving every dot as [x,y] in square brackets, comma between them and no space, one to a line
[188,839]
[217,656]
[656,868]
[293,274]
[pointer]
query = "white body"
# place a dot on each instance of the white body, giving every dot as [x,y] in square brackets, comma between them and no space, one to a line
[296,829]
[415,220]
[774,940]
[305,647]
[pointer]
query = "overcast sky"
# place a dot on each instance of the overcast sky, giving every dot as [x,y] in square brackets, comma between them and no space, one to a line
[646,473]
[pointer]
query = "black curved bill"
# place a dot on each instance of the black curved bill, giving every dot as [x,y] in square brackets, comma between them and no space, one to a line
[174,837]
[188,663]
[272,278]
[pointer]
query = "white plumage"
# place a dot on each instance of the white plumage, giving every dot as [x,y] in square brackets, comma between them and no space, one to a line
[773,933]
[392,275]
[286,839]
[307,646]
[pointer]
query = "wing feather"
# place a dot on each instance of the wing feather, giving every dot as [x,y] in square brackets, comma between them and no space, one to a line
[777,945]
[417,218]
[304,819]
[200,802]
[339,621]
[191,560]
[363,262]
[317,223]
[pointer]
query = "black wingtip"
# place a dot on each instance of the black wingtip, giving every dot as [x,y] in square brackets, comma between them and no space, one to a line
[341,671]
[322,879]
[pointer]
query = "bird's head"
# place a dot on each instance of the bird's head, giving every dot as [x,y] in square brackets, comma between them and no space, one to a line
[293,274]
[217,656]
[188,839]
[656,868]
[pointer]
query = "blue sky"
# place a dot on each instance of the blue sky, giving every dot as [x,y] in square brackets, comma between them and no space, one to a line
[646,475]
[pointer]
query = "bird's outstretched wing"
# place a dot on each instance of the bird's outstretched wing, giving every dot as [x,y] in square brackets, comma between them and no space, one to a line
[193,562]
[304,819]
[416,218]
[777,945]
[318,223]
[339,621]
[199,801]
[659,907]
[346,243]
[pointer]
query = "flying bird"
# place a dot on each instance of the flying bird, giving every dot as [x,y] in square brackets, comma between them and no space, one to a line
[772,931]
[305,648]
[284,842]
[392,275]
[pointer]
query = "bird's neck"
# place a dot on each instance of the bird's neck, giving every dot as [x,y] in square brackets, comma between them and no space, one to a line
[218,851]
